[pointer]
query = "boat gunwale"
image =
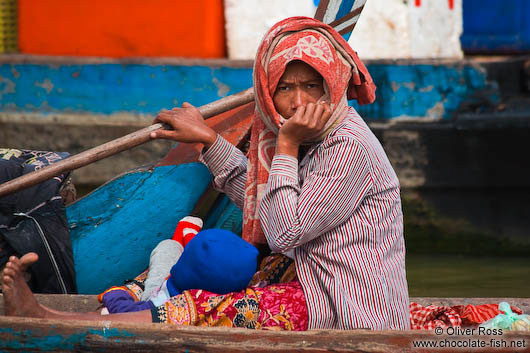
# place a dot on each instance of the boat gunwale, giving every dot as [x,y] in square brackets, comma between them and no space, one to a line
[74,335]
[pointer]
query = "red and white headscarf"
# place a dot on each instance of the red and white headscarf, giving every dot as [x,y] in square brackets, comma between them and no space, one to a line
[345,77]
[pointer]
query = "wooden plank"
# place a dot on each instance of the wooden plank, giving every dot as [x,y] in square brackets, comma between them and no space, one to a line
[40,335]
[71,336]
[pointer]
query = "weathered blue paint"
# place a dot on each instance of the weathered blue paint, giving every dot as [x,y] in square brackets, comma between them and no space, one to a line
[114,229]
[112,88]
[412,90]
[434,91]
[224,215]
[28,340]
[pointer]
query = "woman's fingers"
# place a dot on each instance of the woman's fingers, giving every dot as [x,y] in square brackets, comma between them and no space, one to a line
[187,125]
[157,120]
[163,134]
[164,116]
[324,114]
[317,116]
[308,118]
[298,115]
[308,121]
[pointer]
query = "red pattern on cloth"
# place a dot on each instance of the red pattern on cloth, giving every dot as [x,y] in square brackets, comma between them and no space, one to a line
[319,45]
[477,314]
[432,316]
[276,307]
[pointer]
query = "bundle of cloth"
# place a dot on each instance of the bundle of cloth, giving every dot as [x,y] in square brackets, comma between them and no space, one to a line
[433,316]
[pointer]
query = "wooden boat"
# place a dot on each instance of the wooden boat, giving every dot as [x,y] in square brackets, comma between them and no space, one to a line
[101,263]
[114,228]
[37,335]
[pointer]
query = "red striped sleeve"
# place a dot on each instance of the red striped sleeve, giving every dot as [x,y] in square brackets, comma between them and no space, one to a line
[292,215]
[228,166]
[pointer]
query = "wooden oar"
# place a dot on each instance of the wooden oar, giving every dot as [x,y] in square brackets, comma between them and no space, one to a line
[340,14]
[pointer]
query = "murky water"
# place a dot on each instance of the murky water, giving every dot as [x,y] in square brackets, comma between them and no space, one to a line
[468,243]
[502,212]
[468,276]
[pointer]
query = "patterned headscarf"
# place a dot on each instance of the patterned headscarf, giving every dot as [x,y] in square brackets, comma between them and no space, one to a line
[345,77]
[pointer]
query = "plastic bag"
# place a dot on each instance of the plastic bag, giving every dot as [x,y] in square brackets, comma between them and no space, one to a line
[508,321]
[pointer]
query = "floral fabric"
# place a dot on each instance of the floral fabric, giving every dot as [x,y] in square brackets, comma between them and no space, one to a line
[276,307]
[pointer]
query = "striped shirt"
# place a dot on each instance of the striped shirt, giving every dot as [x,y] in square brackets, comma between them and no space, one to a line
[339,208]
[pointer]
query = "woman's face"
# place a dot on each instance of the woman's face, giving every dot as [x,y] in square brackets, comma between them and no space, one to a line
[299,85]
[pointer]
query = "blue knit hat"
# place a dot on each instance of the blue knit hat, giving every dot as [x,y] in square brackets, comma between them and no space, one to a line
[215,260]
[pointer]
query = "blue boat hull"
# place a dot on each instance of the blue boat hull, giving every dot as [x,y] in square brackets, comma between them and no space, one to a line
[115,228]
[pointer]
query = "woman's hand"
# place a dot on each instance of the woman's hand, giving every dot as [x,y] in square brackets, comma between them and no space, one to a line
[188,126]
[304,125]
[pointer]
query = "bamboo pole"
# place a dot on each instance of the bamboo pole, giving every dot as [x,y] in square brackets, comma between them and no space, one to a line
[118,145]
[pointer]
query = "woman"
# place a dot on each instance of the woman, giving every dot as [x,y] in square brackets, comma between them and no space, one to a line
[317,186]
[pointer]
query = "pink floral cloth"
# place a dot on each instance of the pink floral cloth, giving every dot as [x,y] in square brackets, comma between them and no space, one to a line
[275,307]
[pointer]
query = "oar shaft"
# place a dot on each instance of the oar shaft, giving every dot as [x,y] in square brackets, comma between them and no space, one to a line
[115,146]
